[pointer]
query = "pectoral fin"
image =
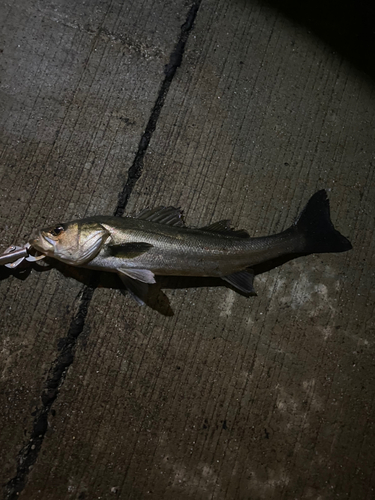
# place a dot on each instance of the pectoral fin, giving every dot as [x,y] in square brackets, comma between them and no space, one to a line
[242,280]
[129,250]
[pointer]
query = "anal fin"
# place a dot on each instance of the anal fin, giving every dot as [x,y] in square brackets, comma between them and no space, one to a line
[243,281]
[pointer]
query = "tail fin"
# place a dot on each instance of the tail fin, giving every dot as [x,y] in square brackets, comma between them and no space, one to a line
[315,223]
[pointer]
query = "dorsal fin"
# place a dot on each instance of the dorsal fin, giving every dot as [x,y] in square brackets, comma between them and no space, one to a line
[223,226]
[163,215]
[218,227]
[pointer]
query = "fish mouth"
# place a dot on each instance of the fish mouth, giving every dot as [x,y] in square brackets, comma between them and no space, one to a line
[42,243]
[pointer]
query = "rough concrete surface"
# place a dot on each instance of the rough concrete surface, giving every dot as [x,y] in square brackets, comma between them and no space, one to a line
[229,110]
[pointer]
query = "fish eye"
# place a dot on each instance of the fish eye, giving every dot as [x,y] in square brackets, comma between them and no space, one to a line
[58,230]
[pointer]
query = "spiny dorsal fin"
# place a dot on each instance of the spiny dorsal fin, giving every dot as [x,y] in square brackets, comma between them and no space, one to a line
[129,250]
[163,215]
[223,226]
[243,281]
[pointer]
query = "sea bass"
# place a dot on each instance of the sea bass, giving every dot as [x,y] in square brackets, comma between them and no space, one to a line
[156,242]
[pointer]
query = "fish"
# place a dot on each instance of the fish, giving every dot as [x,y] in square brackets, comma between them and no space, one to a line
[157,242]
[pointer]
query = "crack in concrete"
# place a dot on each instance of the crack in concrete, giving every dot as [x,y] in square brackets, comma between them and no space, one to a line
[175,59]
[29,453]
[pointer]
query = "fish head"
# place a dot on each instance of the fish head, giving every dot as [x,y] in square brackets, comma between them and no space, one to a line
[74,243]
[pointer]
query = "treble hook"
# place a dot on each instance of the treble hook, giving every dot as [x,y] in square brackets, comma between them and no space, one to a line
[14,255]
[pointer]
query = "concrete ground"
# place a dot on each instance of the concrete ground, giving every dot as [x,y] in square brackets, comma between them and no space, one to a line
[229,110]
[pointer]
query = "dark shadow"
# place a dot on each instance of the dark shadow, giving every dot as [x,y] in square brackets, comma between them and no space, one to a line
[347,26]
[21,272]
[156,298]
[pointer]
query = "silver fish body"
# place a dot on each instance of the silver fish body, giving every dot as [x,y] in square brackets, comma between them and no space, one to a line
[186,252]
[157,243]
